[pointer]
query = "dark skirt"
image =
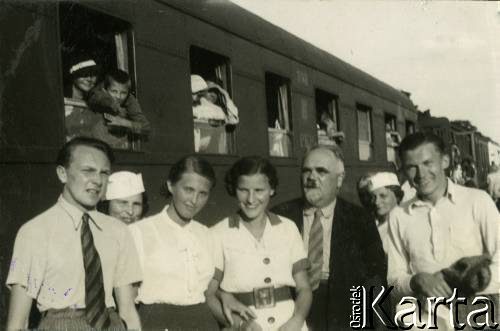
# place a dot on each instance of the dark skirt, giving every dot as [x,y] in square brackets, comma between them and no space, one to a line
[177,318]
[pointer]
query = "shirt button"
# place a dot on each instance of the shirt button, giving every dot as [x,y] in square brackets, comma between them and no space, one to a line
[271,320]
[267,280]
[266,260]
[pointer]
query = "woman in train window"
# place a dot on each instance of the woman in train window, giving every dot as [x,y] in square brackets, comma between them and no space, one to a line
[175,252]
[262,257]
[125,197]
[386,194]
[83,77]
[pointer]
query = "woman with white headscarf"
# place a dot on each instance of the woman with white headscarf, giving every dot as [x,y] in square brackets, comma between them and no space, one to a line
[386,194]
[125,198]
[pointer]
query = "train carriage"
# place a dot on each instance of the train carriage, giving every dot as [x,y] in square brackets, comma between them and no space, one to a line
[290,95]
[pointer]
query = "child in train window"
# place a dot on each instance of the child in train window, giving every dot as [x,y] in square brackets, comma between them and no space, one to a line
[120,109]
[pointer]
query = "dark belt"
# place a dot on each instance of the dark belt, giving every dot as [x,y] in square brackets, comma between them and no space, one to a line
[263,297]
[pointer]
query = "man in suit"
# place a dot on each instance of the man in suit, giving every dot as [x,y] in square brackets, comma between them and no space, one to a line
[343,244]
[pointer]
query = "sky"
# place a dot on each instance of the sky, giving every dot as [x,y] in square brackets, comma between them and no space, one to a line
[446,54]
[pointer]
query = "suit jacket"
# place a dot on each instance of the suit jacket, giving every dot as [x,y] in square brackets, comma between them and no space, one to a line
[356,255]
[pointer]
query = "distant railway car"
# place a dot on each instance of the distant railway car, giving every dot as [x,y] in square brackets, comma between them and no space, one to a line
[289,96]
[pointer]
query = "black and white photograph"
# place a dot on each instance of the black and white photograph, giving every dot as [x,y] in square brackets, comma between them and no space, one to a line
[249,165]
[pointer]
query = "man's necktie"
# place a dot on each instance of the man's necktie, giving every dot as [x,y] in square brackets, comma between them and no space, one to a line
[96,313]
[315,251]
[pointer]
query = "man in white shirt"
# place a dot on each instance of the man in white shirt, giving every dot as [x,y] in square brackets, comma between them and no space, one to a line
[71,258]
[441,224]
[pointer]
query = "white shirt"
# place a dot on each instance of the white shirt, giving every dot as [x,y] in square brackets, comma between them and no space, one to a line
[177,261]
[426,238]
[409,192]
[244,263]
[48,261]
[383,231]
[327,222]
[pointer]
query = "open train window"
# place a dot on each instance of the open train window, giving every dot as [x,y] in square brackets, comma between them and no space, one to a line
[93,46]
[279,115]
[410,127]
[392,137]
[215,115]
[327,119]
[365,139]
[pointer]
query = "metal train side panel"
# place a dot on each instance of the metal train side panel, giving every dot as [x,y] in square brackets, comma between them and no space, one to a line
[31,127]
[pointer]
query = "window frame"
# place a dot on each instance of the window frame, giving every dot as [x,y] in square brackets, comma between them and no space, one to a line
[277,81]
[230,130]
[369,110]
[392,120]
[134,143]
[409,123]
[332,98]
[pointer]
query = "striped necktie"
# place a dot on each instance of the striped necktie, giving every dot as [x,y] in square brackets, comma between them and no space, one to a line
[315,250]
[96,313]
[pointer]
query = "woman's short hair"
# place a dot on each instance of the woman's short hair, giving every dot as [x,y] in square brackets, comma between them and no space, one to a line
[362,187]
[250,165]
[190,163]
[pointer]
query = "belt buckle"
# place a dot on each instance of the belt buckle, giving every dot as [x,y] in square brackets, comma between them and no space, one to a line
[264,297]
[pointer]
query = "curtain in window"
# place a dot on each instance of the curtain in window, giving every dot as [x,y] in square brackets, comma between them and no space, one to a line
[332,110]
[283,107]
[364,133]
[221,74]
[121,51]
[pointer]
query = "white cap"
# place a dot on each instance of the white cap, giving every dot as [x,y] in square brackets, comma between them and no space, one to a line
[198,84]
[82,65]
[382,179]
[123,184]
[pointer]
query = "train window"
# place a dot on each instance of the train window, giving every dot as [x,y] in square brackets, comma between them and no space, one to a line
[365,140]
[410,127]
[327,119]
[392,137]
[279,115]
[97,60]
[215,116]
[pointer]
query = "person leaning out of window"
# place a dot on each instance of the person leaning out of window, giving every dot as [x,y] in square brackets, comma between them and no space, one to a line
[122,114]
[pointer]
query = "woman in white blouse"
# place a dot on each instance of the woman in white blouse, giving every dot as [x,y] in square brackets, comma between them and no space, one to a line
[386,194]
[176,253]
[262,258]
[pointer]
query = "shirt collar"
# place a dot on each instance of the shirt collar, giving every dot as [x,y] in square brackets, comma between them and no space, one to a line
[450,194]
[76,214]
[173,223]
[234,219]
[326,210]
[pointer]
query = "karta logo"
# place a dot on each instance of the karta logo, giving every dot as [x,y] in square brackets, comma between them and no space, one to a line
[371,307]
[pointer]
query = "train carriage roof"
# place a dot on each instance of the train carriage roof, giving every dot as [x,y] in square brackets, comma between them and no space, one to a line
[236,20]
